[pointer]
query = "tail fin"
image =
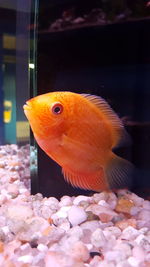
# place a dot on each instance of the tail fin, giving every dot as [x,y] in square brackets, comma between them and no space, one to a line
[119,172]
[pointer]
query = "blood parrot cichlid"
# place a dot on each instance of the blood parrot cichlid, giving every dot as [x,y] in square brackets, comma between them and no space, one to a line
[79,132]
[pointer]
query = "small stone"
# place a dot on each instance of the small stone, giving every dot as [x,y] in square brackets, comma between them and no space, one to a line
[112,230]
[129,233]
[42,248]
[123,264]
[76,231]
[105,263]
[123,247]
[58,259]
[104,204]
[79,199]
[13,190]
[123,224]
[143,241]
[138,253]
[26,259]
[95,260]
[100,196]
[53,203]
[65,226]
[5,229]
[143,230]
[146,205]
[112,200]
[114,255]
[138,201]
[86,238]
[135,210]
[91,216]
[19,212]
[143,215]
[124,205]
[95,253]
[62,212]
[133,261]
[76,215]
[1,247]
[105,214]
[79,20]
[98,239]
[65,201]
[79,251]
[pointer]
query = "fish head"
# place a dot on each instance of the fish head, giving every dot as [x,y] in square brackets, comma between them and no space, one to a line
[50,114]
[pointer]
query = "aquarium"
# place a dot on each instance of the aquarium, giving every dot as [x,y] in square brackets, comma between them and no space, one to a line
[79,70]
[101,48]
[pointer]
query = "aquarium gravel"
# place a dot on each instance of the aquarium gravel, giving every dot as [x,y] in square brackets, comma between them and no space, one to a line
[105,229]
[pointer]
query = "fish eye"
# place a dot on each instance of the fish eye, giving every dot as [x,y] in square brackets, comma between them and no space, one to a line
[57,108]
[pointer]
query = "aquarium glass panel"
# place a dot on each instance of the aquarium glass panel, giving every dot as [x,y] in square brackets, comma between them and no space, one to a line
[17,74]
[100,48]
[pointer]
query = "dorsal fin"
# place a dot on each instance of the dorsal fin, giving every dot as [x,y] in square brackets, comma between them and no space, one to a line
[120,134]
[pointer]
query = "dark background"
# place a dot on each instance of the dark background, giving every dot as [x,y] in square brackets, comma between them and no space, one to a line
[112,61]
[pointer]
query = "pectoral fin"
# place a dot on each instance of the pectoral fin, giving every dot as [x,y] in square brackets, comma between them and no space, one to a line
[91,181]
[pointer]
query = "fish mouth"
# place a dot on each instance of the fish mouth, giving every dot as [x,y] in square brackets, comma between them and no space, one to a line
[27,106]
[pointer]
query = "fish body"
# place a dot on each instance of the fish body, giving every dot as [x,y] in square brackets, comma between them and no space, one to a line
[79,131]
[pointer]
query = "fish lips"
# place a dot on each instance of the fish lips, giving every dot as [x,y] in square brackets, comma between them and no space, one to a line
[27,108]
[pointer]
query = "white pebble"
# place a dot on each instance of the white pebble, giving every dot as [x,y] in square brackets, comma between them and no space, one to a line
[25,246]
[65,201]
[114,255]
[42,247]
[146,204]
[144,214]
[5,229]
[138,253]
[103,203]
[76,215]
[143,241]
[123,264]
[134,210]
[79,199]
[112,230]
[133,262]
[19,212]
[23,190]
[62,212]
[129,233]
[26,258]
[53,203]
[98,239]
[65,226]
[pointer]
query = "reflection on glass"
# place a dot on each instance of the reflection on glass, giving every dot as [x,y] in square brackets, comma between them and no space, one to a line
[16,68]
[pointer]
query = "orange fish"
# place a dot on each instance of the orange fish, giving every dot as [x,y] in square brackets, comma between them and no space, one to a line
[79,131]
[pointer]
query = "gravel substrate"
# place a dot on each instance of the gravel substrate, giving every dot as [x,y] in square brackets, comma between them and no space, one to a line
[102,230]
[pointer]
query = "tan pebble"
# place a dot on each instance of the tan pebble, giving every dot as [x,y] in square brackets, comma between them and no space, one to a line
[50,221]
[104,217]
[9,264]
[14,163]
[1,246]
[91,216]
[47,231]
[125,223]
[13,179]
[124,205]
